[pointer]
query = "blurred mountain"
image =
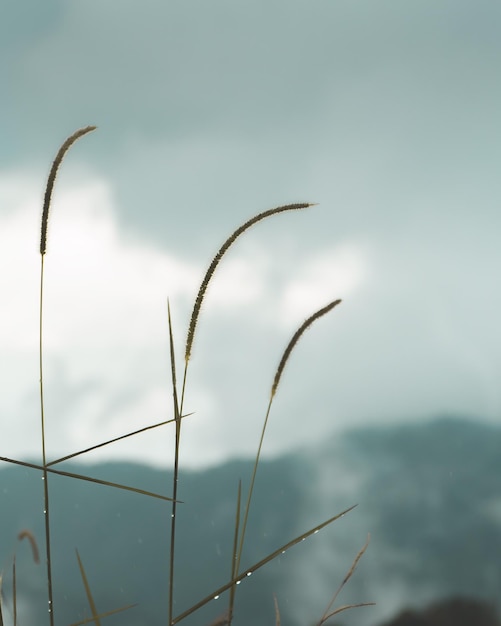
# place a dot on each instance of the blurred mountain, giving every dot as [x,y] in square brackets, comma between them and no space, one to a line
[428,493]
[452,612]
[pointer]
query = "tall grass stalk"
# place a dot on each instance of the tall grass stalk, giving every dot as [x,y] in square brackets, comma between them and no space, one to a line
[43,248]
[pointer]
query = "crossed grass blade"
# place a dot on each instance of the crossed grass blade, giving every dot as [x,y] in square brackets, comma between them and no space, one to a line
[97,481]
[328,613]
[115,439]
[256,566]
[234,553]
[96,617]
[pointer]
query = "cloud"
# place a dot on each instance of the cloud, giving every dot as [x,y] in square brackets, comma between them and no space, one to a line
[105,331]
[104,312]
[327,276]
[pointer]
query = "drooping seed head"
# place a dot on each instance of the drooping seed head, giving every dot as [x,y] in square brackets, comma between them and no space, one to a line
[295,338]
[215,261]
[52,177]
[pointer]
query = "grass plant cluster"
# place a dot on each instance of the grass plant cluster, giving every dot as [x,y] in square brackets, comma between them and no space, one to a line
[8,605]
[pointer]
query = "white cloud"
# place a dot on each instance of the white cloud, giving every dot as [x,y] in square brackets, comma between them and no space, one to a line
[327,276]
[105,317]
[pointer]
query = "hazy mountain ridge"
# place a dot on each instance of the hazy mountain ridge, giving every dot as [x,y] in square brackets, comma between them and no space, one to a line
[429,494]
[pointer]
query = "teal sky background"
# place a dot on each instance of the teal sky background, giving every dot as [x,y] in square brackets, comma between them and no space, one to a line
[385,113]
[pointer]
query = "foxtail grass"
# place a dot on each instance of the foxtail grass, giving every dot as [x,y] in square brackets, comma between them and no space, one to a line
[43,248]
[47,467]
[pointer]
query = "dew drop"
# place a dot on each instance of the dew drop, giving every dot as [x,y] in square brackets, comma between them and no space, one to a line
[315,532]
[248,573]
[238,582]
[45,511]
[216,597]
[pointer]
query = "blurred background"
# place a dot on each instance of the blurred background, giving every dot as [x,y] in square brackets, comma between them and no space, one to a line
[386,115]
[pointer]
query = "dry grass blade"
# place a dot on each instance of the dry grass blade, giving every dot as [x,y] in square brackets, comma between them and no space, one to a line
[52,178]
[90,599]
[27,534]
[96,617]
[221,620]
[253,568]
[328,613]
[297,335]
[215,261]
[277,611]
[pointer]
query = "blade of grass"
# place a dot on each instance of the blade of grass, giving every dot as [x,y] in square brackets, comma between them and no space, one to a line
[234,554]
[328,613]
[253,568]
[106,443]
[175,478]
[96,617]
[277,611]
[1,601]
[14,591]
[90,599]
[97,481]
[346,607]
[112,612]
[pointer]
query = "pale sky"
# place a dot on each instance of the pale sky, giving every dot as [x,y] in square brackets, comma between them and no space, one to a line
[386,114]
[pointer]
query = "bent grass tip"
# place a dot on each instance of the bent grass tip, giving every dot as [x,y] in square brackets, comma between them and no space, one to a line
[215,261]
[297,335]
[51,180]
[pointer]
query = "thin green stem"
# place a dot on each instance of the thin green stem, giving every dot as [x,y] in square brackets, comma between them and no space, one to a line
[251,487]
[234,555]
[285,357]
[175,479]
[44,457]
